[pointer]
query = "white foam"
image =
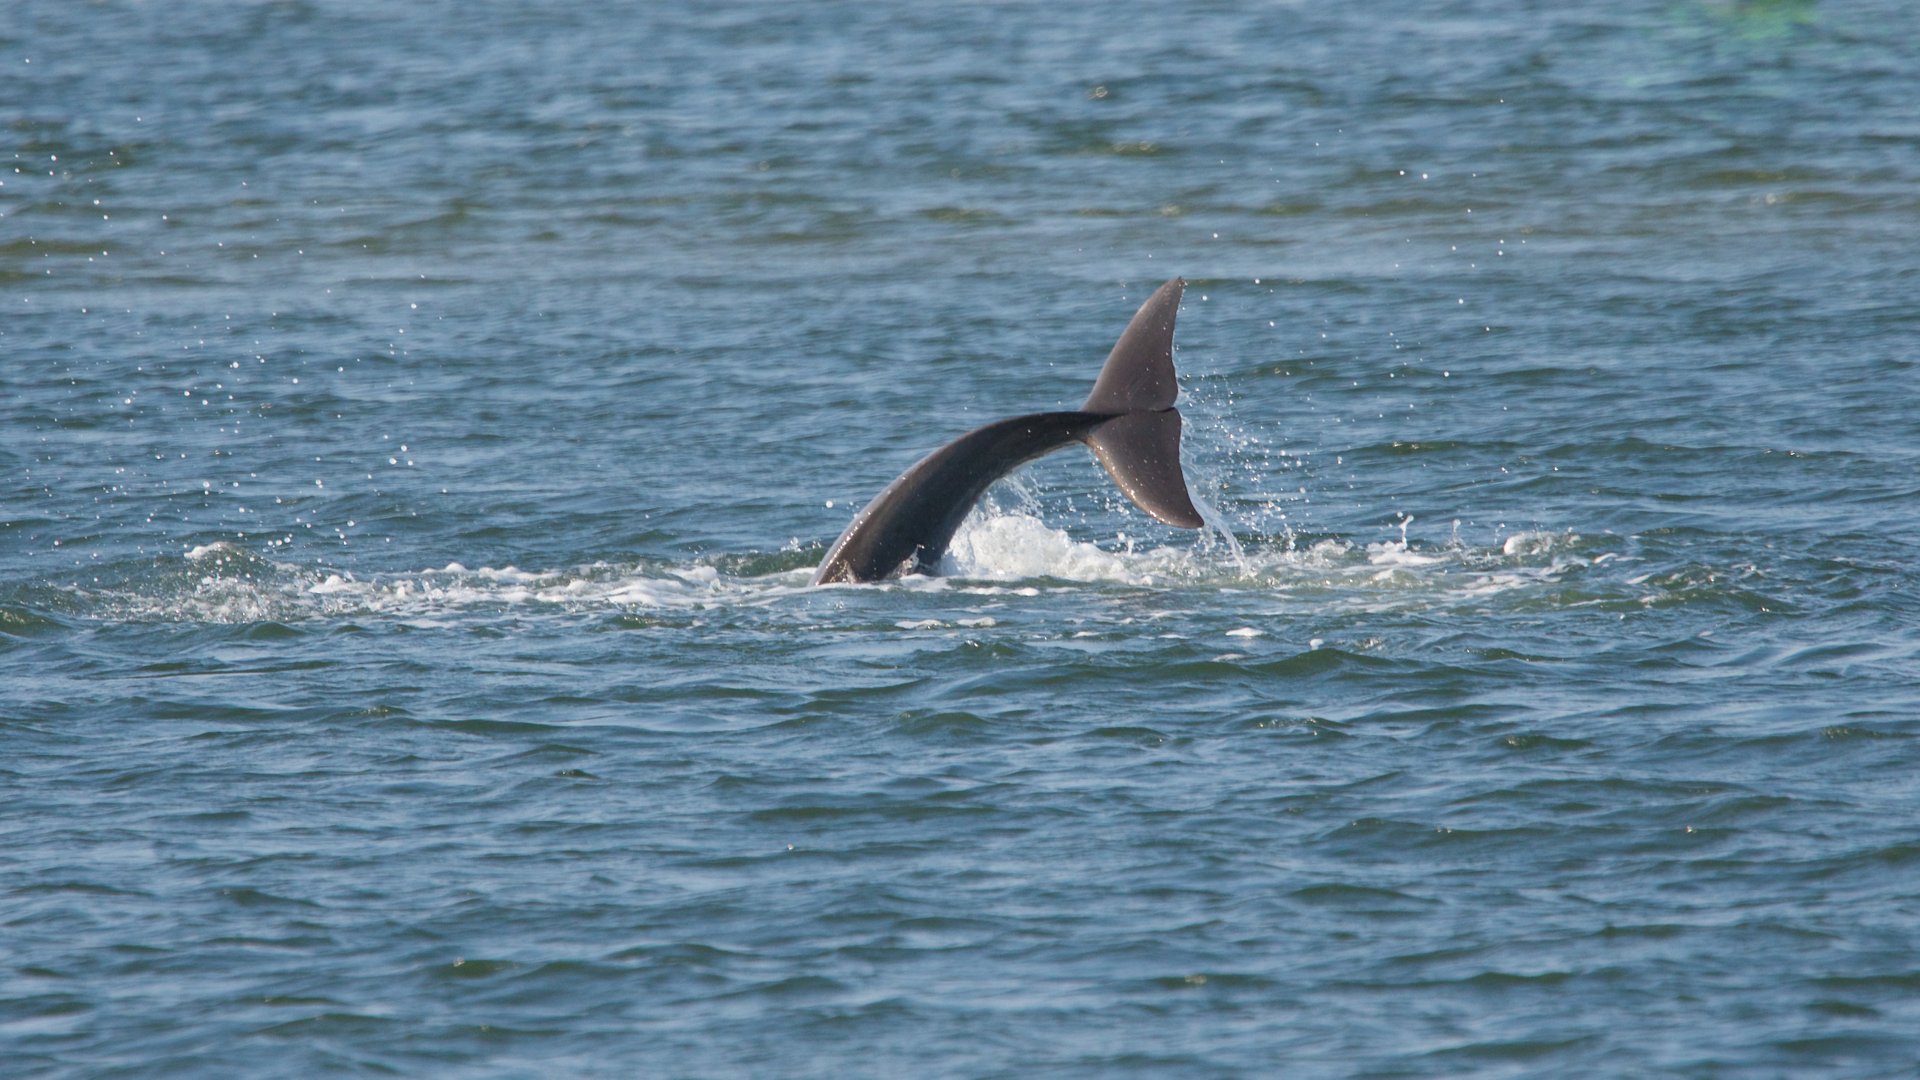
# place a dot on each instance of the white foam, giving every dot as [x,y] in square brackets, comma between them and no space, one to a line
[1535,543]
[1007,547]
[1396,553]
[333,584]
[996,554]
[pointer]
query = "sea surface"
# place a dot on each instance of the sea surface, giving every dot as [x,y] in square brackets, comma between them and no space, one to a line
[419,422]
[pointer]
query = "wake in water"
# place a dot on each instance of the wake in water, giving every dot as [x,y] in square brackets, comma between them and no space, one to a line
[995,553]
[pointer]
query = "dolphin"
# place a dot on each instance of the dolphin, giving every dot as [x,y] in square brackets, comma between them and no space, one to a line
[1128,421]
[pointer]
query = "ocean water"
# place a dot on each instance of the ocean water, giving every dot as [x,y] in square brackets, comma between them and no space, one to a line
[419,422]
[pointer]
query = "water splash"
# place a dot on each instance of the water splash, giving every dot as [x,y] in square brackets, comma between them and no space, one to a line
[1218,525]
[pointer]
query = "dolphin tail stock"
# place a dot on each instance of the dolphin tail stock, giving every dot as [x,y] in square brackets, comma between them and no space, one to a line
[913,518]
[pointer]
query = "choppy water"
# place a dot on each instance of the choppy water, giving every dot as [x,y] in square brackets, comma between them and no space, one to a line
[419,421]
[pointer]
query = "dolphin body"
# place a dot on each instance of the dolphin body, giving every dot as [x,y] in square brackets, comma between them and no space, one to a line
[1128,421]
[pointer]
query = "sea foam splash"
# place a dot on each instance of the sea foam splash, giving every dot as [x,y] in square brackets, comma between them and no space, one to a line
[995,553]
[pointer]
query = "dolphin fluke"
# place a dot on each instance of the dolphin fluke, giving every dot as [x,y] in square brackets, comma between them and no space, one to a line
[1128,421]
[1141,452]
[1138,374]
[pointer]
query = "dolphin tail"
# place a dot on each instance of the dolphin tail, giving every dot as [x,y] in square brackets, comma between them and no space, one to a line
[1128,421]
[1140,447]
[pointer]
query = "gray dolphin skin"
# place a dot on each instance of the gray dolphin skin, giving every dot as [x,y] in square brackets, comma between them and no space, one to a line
[1128,421]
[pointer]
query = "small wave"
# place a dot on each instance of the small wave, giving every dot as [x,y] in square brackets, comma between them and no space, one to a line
[225,583]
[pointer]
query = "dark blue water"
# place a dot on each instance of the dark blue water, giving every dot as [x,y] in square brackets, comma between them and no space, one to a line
[419,424]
